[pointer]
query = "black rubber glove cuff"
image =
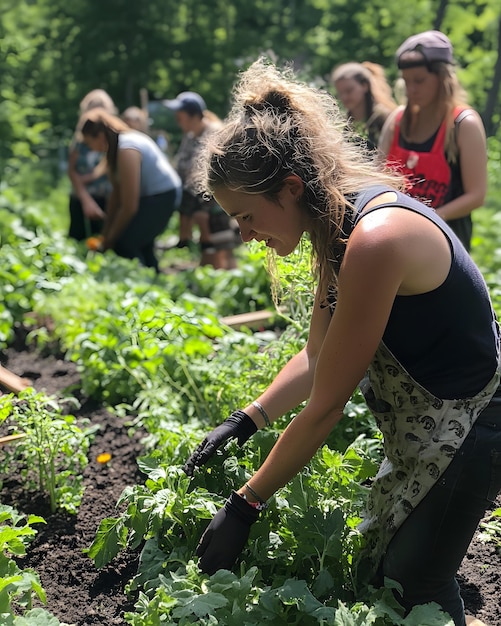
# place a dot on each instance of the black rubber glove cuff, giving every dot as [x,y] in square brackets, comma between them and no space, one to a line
[236,505]
[245,425]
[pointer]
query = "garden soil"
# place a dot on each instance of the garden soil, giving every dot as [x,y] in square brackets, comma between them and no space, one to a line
[81,595]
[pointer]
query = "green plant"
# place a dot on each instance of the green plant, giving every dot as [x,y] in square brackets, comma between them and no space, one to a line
[490,529]
[15,584]
[53,452]
[185,596]
[19,586]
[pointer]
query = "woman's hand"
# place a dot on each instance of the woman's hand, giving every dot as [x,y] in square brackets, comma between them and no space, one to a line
[226,535]
[238,426]
[91,209]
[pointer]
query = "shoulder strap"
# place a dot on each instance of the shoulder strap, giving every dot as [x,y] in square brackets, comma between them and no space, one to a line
[460,114]
[365,196]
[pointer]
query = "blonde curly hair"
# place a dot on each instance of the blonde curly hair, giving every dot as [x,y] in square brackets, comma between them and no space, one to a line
[279,126]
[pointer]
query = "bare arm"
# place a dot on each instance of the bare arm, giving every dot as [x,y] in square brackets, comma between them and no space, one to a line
[125,198]
[382,259]
[111,210]
[89,206]
[347,350]
[386,136]
[100,170]
[294,382]
[472,149]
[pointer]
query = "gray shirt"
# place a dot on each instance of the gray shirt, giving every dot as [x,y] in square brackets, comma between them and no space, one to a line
[157,174]
[188,153]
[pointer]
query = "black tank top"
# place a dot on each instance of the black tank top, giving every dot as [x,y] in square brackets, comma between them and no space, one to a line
[445,338]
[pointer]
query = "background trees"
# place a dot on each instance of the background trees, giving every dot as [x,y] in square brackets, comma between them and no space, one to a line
[52,52]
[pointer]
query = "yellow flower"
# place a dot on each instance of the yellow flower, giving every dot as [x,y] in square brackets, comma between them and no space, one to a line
[103,458]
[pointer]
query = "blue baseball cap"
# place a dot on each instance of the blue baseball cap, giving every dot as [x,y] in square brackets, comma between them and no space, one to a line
[188,101]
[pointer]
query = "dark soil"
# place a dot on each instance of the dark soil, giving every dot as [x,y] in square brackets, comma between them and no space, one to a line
[81,595]
[77,592]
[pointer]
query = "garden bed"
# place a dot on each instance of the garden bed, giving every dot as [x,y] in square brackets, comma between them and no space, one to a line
[78,593]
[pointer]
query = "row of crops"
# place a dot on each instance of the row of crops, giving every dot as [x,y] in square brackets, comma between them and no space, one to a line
[154,347]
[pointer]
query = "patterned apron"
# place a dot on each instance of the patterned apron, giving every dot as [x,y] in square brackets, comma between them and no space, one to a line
[422,433]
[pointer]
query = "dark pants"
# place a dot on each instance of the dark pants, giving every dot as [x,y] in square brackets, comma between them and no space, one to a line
[192,203]
[427,550]
[80,226]
[151,219]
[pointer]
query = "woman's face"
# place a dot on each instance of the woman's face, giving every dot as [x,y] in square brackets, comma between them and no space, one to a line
[351,93]
[98,143]
[422,86]
[279,223]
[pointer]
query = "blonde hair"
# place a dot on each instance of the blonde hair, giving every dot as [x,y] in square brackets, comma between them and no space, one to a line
[97,98]
[279,126]
[211,117]
[136,118]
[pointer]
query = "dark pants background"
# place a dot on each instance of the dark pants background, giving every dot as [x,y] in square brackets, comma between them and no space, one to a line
[80,226]
[427,550]
[152,217]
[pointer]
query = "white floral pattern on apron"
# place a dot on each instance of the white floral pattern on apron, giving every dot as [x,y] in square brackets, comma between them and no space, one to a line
[422,433]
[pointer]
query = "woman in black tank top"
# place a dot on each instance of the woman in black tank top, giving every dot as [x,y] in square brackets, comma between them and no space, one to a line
[401,311]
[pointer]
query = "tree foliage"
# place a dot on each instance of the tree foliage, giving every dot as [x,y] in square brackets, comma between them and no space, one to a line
[53,52]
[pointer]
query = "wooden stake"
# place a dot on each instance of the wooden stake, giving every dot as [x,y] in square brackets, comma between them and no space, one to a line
[12,381]
[9,438]
[257,318]
[143,97]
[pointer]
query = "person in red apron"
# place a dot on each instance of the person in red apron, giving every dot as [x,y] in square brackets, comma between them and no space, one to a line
[437,140]
[400,311]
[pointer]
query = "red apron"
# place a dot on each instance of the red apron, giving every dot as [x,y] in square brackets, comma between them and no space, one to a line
[428,173]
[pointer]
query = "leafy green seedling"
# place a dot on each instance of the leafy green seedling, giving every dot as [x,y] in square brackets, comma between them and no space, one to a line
[16,584]
[52,454]
[490,530]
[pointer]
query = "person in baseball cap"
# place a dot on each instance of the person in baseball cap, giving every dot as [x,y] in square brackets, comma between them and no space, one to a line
[436,139]
[425,48]
[217,236]
[187,101]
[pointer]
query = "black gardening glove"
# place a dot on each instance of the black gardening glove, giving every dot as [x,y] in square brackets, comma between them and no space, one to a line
[226,535]
[239,425]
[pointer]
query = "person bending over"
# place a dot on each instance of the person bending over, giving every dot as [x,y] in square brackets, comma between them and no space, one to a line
[386,264]
[146,188]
